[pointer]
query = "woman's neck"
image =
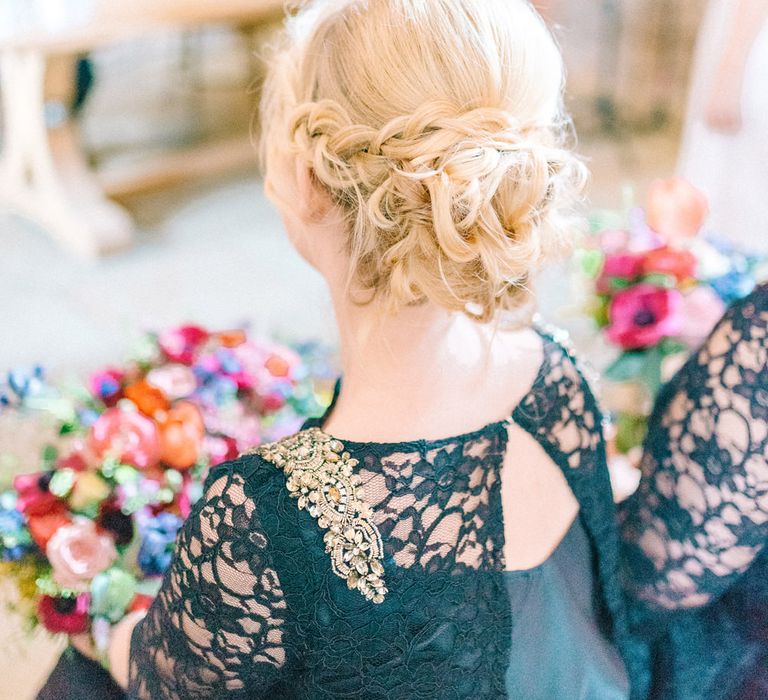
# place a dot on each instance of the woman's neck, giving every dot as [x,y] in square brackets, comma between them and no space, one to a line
[416,373]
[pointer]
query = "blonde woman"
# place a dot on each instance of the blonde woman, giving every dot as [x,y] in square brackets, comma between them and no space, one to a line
[445,530]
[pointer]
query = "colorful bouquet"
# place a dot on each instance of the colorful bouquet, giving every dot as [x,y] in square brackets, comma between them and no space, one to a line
[658,288]
[87,536]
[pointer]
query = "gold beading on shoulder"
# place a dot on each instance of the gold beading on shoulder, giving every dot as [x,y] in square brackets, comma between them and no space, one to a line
[320,474]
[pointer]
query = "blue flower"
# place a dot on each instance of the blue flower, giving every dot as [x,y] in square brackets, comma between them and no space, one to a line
[15,540]
[229,363]
[157,538]
[22,385]
[733,286]
[217,390]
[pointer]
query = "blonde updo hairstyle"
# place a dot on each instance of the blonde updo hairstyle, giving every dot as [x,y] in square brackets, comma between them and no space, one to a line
[437,129]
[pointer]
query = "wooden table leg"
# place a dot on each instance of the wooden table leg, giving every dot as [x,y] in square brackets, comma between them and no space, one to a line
[43,173]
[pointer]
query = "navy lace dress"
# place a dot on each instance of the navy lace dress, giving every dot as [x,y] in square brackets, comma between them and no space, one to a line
[313,568]
[694,534]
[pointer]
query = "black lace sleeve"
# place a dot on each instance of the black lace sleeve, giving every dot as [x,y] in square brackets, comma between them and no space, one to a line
[217,626]
[700,515]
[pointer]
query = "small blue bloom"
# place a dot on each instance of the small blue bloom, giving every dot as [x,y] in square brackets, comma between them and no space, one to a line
[735,285]
[15,540]
[158,535]
[87,416]
[229,363]
[22,385]
[217,390]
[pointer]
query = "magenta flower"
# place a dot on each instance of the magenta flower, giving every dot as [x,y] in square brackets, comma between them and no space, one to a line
[622,266]
[643,315]
[182,344]
[107,384]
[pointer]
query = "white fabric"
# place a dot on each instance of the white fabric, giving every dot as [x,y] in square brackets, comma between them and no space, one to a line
[732,169]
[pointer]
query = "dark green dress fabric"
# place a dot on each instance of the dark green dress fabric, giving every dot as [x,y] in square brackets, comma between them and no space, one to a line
[251,608]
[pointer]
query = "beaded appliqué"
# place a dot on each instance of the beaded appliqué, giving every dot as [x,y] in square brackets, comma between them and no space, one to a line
[320,475]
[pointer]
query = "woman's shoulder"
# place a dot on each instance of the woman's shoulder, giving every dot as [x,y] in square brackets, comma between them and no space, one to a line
[737,344]
[247,493]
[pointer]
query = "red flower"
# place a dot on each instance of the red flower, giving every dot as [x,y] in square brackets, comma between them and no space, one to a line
[181,344]
[622,266]
[33,496]
[43,526]
[67,615]
[141,602]
[127,435]
[76,461]
[680,264]
[642,315]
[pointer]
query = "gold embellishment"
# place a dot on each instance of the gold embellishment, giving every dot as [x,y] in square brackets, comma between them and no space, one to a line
[320,475]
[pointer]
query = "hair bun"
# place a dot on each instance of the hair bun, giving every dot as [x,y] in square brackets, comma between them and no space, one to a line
[453,205]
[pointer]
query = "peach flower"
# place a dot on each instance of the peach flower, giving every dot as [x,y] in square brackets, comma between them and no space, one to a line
[78,552]
[676,209]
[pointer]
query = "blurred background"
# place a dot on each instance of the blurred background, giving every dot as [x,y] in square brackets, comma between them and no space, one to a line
[130,197]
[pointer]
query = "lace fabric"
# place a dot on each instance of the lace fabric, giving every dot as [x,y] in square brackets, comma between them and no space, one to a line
[700,516]
[251,608]
[220,603]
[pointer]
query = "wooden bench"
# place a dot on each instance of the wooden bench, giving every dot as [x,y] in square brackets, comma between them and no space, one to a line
[44,174]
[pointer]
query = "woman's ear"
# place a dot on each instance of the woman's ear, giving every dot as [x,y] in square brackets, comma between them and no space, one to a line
[313,200]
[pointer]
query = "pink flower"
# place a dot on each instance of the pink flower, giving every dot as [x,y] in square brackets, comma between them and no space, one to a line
[219,449]
[67,615]
[702,308]
[107,384]
[127,435]
[181,344]
[676,209]
[175,381]
[622,266]
[642,315]
[78,552]
[614,241]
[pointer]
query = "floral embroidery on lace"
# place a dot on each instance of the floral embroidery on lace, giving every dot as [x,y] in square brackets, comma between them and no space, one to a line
[320,475]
